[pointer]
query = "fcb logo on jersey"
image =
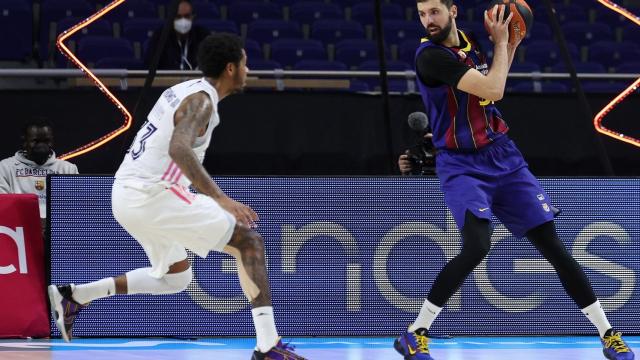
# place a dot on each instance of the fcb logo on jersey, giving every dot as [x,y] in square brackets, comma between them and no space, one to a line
[40,185]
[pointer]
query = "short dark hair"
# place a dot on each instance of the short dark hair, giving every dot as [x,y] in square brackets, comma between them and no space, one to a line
[37,122]
[216,51]
[447,3]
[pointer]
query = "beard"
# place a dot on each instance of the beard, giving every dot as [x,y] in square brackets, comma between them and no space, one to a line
[441,35]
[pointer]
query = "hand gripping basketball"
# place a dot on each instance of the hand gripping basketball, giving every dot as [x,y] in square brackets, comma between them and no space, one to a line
[522,17]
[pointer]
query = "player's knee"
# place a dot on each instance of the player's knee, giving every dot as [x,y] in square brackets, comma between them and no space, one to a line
[177,282]
[252,244]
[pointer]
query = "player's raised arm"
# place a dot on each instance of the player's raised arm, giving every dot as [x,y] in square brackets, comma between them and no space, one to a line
[491,86]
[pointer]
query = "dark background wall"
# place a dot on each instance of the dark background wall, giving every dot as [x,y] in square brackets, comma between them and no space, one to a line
[311,133]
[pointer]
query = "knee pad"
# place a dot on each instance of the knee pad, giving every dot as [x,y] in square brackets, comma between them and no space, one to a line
[139,281]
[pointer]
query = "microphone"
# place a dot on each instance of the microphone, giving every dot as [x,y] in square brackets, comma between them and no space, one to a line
[418,121]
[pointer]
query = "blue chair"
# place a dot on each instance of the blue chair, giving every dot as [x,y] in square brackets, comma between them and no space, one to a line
[610,17]
[397,31]
[565,13]
[631,32]
[289,52]
[206,10]
[347,3]
[253,49]
[539,31]
[475,28]
[52,11]
[132,9]
[332,31]
[365,12]
[392,65]
[267,31]
[407,50]
[355,51]
[247,12]
[584,34]
[581,67]
[227,26]
[611,54]
[541,87]
[15,19]
[547,53]
[91,49]
[100,27]
[395,85]
[260,64]
[120,63]
[629,68]
[324,65]
[523,67]
[55,10]
[308,12]
[139,30]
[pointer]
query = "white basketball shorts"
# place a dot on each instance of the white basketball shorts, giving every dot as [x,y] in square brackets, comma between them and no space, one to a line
[166,220]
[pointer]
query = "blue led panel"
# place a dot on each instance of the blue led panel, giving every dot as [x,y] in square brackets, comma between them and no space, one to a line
[357,256]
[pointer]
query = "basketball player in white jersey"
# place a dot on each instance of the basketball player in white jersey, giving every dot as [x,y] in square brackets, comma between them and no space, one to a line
[151,200]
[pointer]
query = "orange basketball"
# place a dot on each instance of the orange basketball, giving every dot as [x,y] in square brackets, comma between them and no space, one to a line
[522,16]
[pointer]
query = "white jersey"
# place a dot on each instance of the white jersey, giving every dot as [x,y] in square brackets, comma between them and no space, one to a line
[148,162]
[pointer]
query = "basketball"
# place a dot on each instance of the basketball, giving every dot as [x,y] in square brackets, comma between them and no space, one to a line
[522,16]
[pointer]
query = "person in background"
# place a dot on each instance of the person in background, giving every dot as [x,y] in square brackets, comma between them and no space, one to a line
[26,172]
[181,48]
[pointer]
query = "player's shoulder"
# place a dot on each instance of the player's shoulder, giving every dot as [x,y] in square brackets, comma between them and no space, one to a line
[435,54]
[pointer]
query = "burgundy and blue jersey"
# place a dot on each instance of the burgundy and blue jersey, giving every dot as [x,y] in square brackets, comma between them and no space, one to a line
[459,120]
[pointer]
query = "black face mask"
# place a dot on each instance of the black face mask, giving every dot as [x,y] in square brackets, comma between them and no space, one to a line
[40,153]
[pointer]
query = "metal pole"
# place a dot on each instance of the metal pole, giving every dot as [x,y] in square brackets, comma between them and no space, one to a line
[384,85]
[586,108]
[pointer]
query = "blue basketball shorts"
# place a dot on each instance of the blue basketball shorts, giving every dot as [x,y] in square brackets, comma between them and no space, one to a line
[493,181]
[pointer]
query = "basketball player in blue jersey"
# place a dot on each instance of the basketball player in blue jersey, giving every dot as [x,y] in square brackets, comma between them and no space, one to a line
[151,200]
[481,171]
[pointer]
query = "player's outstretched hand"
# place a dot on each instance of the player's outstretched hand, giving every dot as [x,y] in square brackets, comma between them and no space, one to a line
[243,214]
[497,25]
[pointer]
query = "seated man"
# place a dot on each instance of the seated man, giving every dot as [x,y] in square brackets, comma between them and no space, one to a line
[26,172]
[181,48]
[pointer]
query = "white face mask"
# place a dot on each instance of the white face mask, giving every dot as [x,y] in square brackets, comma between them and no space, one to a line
[182,26]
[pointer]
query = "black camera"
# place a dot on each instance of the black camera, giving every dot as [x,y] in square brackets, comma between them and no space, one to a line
[422,157]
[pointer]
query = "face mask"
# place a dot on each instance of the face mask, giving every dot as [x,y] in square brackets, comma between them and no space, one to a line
[40,154]
[182,26]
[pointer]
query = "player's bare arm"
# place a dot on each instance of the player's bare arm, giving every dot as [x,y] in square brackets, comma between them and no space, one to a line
[491,86]
[191,120]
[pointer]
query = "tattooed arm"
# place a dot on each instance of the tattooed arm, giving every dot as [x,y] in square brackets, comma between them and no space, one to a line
[191,120]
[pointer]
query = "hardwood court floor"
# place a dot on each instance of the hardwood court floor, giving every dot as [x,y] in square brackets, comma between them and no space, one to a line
[459,348]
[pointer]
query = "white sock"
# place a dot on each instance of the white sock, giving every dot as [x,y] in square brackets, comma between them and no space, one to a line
[427,314]
[266,333]
[596,315]
[86,293]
